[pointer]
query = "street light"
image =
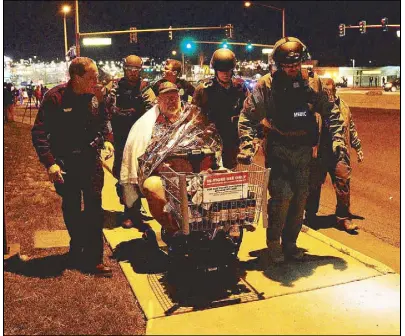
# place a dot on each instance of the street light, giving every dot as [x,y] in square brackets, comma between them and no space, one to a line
[353,62]
[65,10]
[282,10]
[174,52]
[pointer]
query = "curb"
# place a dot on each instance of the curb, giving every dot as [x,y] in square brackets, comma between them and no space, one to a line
[368,261]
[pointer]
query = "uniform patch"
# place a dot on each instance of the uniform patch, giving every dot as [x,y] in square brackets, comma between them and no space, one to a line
[300,114]
[94,102]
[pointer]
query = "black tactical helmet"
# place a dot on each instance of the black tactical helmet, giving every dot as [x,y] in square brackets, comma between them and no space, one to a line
[223,60]
[289,50]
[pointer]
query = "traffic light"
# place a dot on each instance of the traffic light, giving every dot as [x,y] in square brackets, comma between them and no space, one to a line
[363,26]
[249,47]
[342,30]
[133,37]
[225,45]
[188,46]
[170,34]
[384,24]
[229,31]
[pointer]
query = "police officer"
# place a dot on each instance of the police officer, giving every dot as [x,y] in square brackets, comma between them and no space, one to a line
[285,103]
[221,99]
[68,133]
[334,157]
[171,73]
[127,101]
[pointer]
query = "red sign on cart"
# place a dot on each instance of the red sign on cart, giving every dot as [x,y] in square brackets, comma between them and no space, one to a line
[225,187]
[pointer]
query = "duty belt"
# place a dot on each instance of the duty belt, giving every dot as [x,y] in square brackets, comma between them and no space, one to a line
[123,112]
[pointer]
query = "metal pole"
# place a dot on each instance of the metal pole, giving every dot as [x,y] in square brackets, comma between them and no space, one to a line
[64,30]
[283,12]
[150,30]
[77,29]
[353,70]
[182,57]
[66,44]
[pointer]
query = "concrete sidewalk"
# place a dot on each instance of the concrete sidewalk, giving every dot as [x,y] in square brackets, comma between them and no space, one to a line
[335,290]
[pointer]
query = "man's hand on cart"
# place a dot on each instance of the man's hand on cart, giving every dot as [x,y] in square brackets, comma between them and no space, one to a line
[220,170]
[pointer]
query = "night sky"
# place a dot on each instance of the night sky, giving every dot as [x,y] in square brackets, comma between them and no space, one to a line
[36,28]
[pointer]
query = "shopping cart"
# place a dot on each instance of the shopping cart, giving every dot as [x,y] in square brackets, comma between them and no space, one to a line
[210,203]
[212,209]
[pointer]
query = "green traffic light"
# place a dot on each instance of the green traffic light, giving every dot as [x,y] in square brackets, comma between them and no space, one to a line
[187,46]
[249,47]
[225,46]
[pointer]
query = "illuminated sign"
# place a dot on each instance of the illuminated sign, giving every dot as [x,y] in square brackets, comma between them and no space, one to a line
[96,41]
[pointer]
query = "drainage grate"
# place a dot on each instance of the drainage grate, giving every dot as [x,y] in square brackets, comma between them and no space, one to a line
[200,293]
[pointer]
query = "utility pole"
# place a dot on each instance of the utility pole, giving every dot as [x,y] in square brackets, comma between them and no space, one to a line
[77,29]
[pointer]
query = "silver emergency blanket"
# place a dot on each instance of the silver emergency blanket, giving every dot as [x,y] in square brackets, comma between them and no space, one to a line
[190,132]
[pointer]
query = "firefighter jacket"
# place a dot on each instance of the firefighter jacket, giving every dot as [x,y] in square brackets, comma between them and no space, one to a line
[222,107]
[286,107]
[67,124]
[186,90]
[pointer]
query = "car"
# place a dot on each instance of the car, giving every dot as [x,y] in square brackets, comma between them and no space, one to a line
[393,85]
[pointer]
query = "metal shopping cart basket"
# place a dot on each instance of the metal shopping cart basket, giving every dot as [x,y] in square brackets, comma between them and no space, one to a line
[210,203]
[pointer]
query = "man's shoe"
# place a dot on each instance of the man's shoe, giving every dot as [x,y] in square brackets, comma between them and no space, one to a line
[99,270]
[291,251]
[346,224]
[275,251]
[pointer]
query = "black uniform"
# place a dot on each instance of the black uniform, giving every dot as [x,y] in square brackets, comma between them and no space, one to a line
[222,107]
[186,90]
[125,104]
[64,131]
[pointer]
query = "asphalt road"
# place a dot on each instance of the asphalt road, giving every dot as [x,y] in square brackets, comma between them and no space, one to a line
[375,189]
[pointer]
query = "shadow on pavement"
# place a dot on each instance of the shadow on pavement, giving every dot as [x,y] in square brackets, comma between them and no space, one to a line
[145,258]
[44,267]
[290,271]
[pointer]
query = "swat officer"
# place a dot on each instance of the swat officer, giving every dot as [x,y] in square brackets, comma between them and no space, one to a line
[221,99]
[334,158]
[127,101]
[285,103]
[171,73]
[68,133]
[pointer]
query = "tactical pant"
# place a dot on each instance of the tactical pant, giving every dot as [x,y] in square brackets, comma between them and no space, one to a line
[339,170]
[85,229]
[288,190]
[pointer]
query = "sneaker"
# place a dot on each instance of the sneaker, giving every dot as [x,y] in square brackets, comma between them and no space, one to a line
[346,224]
[275,251]
[291,251]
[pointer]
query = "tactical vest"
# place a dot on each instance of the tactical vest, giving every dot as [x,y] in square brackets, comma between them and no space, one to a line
[293,102]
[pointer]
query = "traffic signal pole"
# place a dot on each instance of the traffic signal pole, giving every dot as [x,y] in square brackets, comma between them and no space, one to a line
[236,43]
[115,32]
[77,33]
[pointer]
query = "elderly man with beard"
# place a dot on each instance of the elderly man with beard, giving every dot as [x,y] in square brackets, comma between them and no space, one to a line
[163,135]
[157,120]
